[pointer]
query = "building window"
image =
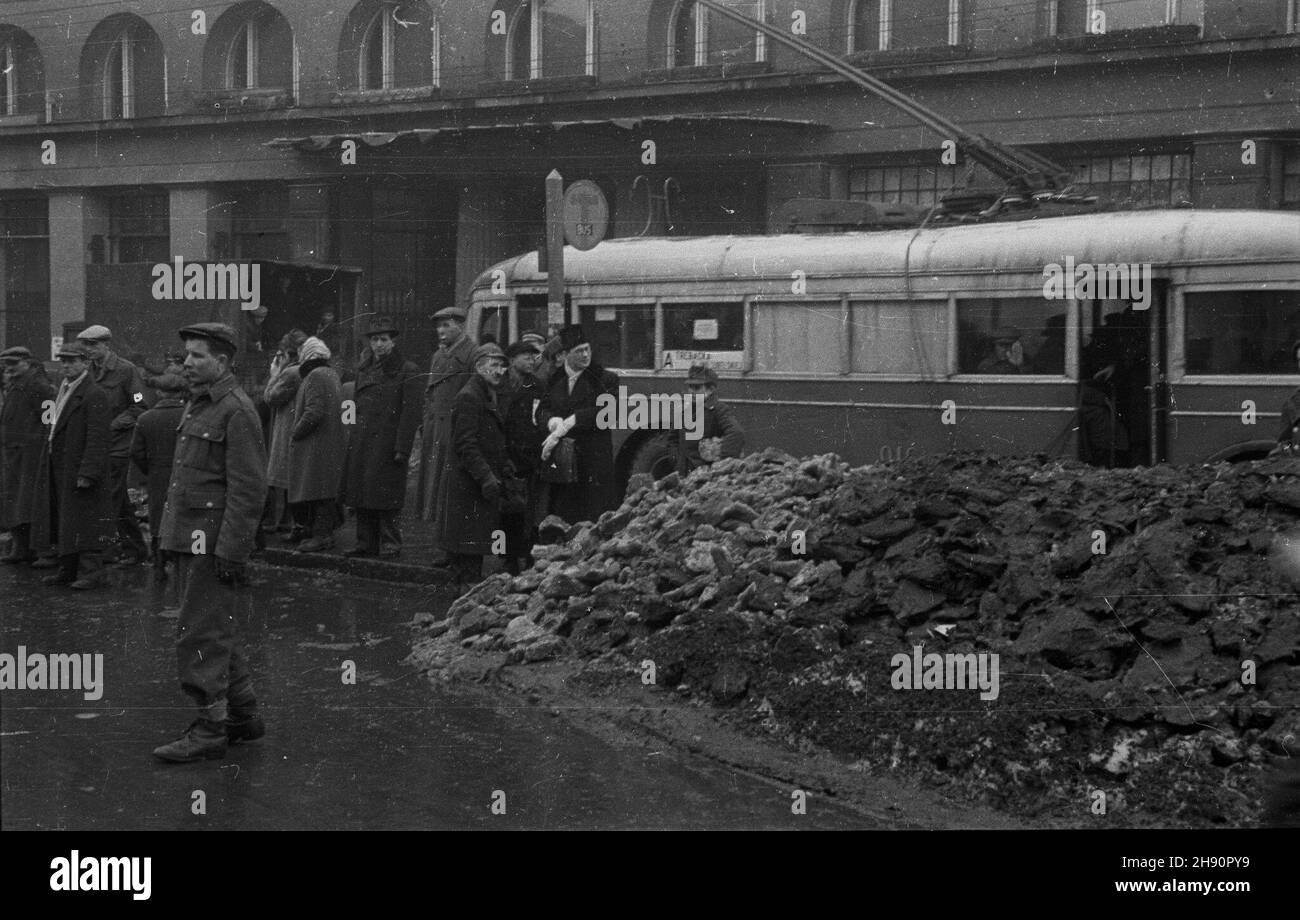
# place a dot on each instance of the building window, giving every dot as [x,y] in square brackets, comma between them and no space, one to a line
[882,25]
[1138,180]
[138,228]
[696,39]
[251,47]
[24,271]
[523,55]
[865,18]
[8,78]
[123,70]
[1078,17]
[387,46]
[258,223]
[550,38]
[919,185]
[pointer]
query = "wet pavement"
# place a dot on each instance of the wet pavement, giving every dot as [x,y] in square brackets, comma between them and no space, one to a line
[388,752]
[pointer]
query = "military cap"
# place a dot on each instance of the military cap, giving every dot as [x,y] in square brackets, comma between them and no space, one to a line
[490,350]
[95,334]
[382,325]
[213,332]
[701,373]
[455,313]
[518,348]
[1006,335]
[74,350]
[17,353]
[534,338]
[571,337]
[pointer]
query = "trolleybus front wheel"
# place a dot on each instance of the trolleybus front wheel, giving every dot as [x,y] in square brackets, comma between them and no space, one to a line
[655,456]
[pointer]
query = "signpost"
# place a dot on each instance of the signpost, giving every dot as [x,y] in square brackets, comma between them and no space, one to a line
[555,250]
[579,217]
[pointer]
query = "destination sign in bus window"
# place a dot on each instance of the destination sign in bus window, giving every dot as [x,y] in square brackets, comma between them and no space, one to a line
[1241,332]
[1011,335]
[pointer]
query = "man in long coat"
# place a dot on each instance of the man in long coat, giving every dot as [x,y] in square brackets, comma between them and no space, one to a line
[569,409]
[73,488]
[153,446]
[449,371]
[22,434]
[124,384]
[520,395]
[479,467]
[316,448]
[388,395]
[214,503]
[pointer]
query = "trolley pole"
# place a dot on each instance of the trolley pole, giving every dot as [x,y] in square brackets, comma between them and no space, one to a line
[555,251]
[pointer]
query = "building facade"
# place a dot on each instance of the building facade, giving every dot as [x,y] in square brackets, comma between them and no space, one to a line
[376,156]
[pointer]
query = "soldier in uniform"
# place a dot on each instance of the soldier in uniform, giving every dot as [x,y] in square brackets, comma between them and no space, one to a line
[124,384]
[449,371]
[210,521]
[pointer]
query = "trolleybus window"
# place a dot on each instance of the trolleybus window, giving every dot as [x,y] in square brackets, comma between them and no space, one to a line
[1241,332]
[901,338]
[623,336]
[531,313]
[800,337]
[1011,335]
[706,332]
[492,326]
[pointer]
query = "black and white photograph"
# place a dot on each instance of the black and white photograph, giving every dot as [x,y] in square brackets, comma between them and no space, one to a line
[869,415]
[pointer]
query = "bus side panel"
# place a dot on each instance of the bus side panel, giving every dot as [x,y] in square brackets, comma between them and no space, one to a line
[1207,419]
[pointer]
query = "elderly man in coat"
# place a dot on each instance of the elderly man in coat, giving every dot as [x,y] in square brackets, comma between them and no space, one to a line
[449,371]
[479,468]
[152,448]
[281,390]
[74,486]
[569,409]
[316,448]
[22,432]
[388,396]
[124,384]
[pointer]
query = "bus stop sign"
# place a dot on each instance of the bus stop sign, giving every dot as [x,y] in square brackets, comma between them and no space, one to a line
[586,215]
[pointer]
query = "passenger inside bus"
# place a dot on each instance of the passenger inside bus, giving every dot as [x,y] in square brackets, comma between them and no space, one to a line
[1113,403]
[1009,335]
[1008,354]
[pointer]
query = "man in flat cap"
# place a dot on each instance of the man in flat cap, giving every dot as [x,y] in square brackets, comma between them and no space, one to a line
[722,435]
[74,484]
[388,397]
[521,394]
[214,503]
[449,371]
[1008,354]
[480,466]
[22,433]
[123,383]
[569,409]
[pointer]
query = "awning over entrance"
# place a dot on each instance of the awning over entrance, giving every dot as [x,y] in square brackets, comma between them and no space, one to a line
[318,142]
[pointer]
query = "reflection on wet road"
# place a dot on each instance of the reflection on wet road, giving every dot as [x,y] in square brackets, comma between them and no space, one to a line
[388,752]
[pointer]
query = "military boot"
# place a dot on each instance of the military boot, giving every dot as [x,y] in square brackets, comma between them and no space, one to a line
[205,739]
[243,723]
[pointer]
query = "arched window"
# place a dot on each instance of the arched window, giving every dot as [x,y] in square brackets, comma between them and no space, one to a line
[864,24]
[543,38]
[695,38]
[251,47]
[122,69]
[22,74]
[389,45]
[918,23]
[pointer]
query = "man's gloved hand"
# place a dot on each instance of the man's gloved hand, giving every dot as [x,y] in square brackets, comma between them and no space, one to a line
[548,446]
[230,572]
[492,490]
[553,424]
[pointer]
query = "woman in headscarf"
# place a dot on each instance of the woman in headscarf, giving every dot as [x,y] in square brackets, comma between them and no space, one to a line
[316,447]
[281,390]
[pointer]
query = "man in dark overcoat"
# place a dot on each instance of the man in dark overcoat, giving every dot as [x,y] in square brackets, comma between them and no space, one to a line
[214,504]
[74,486]
[449,371]
[521,394]
[152,448]
[388,397]
[124,384]
[28,394]
[480,465]
[569,409]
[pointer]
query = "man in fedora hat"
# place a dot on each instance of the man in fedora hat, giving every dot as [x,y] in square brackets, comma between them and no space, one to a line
[75,481]
[449,371]
[22,433]
[388,397]
[1008,355]
[209,522]
[723,435]
[124,384]
[569,409]
[479,469]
